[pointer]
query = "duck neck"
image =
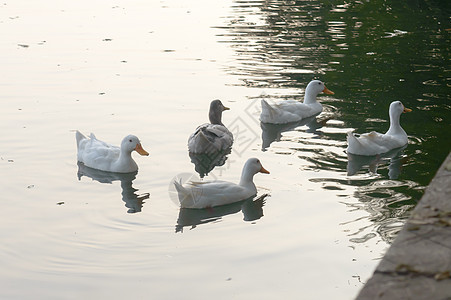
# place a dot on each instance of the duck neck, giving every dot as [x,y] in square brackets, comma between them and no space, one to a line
[395,127]
[247,179]
[310,96]
[125,159]
[215,118]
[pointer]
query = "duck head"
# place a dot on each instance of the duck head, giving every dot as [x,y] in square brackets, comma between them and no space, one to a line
[254,166]
[397,108]
[313,89]
[251,167]
[215,113]
[131,143]
[395,111]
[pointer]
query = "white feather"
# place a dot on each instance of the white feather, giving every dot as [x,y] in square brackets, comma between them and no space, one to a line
[99,155]
[376,143]
[195,194]
[288,111]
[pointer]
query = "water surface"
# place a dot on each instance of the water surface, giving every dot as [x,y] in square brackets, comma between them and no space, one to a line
[151,69]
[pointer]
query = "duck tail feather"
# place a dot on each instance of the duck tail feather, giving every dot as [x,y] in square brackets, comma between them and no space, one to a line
[268,112]
[351,136]
[266,106]
[179,187]
[79,136]
[185,197]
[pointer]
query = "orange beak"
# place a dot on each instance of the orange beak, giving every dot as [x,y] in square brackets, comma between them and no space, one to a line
[140,150]
[263,170]
[406,110]
[327,91]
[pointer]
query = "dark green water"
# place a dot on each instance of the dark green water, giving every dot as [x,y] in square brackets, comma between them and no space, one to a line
[369,53]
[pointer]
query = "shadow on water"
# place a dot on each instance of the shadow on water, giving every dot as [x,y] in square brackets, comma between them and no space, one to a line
[369,53]
[133,201]
[252,210]
[206,162]
[395,158]
[273,132]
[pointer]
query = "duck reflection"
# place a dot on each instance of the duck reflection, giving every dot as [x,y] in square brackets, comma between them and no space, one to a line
[206,162]
[252,210]
[133,201]
[356,162]
[273,132]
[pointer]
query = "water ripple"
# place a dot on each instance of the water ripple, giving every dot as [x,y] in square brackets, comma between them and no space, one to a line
[282,45]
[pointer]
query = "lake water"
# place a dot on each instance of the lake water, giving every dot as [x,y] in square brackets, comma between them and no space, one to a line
[151,68]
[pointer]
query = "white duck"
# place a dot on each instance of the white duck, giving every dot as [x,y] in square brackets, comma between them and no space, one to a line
[376,143]
[288,111]
[215,193]
[213,137]
[99,155]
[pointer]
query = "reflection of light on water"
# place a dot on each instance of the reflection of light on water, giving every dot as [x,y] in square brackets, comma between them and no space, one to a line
[265,57]
[252,210]
[395,33]
[267,44]
[383,199]
[386,201]
[363,239]
[386,204]
[133,201]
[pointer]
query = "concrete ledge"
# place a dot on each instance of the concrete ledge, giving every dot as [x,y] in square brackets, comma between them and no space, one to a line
[418,263]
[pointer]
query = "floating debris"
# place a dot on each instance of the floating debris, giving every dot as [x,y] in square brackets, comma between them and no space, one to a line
[395,33]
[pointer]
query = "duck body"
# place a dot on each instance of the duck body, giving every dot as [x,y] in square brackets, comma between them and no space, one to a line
[373,143]
[216,193]
[99,155]
[211,137]
[377,143]
[288,111]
